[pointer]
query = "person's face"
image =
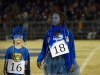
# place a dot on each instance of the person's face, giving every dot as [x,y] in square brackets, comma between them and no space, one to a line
[18,39]
[55,19]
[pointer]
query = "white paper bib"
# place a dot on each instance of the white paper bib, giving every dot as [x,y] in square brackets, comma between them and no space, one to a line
[16,67]
[59,48]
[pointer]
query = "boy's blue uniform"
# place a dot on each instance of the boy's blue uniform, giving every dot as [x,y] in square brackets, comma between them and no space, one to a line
[20,54]
[17,60]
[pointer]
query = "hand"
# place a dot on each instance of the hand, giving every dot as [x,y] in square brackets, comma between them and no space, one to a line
[27,72]
[39,65]
[72,68]
[5,73]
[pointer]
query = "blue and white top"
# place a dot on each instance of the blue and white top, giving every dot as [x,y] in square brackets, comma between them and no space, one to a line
[18,59]
[69,57]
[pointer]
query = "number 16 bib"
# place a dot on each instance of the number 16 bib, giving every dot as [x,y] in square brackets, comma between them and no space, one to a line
[59,48]
[16,67]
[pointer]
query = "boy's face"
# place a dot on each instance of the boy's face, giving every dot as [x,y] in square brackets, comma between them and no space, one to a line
[55,19]
[18,39]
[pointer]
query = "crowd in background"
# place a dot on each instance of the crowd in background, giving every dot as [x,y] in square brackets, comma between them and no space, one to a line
[14,11]
[40,10]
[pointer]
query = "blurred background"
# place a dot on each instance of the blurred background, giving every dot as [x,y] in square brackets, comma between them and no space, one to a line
[83,17]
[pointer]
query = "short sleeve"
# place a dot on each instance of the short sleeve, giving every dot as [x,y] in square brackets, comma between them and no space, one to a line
[7,53]
[27,56]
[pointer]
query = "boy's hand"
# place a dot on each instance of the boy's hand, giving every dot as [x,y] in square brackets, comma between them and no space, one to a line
[5,73]
[39,65]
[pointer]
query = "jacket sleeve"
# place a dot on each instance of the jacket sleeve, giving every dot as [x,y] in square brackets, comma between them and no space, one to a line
[44,48]
[72,48]
[27,64]
[6,60]
[27,71]
[5,67]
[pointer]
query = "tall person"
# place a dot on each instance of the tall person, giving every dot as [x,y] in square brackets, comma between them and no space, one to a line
[58,50]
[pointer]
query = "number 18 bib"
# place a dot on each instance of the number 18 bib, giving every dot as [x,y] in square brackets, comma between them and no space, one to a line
[15,67]
[59,48]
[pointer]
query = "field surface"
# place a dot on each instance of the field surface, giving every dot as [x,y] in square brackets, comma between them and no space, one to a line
[87,55]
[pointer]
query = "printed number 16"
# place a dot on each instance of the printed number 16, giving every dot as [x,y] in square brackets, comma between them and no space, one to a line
[18,68]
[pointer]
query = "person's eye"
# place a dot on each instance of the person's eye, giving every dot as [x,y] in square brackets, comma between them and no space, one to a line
[55,17]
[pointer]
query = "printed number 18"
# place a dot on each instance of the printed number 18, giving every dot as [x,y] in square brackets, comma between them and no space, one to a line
[62,48]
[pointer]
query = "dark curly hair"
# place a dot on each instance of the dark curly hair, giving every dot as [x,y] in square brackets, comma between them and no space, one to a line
[62,19]
[18,30]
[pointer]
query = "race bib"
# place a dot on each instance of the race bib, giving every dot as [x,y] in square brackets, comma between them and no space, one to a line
[16,67]
[59,48]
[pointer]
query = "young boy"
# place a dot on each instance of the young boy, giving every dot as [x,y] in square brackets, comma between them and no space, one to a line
[17,59]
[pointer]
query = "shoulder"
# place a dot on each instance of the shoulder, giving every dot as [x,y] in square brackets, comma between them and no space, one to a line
[68,31]
[25,53]
[9,48]
[25,48]
[47,33]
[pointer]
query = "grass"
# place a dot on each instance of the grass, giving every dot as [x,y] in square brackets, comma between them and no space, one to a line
[83,50]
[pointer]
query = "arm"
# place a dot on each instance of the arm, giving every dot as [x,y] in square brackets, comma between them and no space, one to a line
[44,48]
[69,57]
[27,71]
[72,51]
[5,67]
[72,48]
[6,61]
[27,64]
[43,51]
